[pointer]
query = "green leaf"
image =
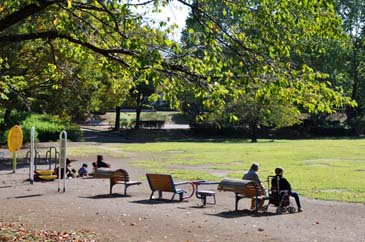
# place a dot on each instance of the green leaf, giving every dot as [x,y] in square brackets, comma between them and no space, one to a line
[69,3]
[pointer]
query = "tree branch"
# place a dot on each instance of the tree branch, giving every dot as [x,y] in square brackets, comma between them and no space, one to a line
[25,12]
[55,35]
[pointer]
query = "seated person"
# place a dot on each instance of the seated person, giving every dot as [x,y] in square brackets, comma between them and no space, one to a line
[101,163]
[83,170]
[285,185]
[252,174]
[70,173]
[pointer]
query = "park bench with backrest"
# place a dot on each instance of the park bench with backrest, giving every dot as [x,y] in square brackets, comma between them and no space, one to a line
[242,189]
[119,176]
[165,183]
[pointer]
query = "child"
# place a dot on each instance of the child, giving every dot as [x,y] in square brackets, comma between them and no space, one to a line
[83,170]
[70,173]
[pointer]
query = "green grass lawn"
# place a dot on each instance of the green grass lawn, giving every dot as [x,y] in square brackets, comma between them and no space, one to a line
[329,169]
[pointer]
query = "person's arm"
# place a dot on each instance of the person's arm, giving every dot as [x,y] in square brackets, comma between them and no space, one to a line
[285,185]
[260,182]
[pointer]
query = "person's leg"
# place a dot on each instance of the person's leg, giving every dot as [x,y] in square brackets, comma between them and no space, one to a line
[296,197]
[261,204]
[253,203]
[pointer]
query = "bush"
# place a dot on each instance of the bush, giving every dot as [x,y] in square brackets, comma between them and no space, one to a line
[2,137]
[48,128]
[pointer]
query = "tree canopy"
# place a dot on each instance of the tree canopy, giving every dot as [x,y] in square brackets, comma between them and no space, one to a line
[235,47]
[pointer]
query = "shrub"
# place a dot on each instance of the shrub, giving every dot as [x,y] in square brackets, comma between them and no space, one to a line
[2,137]
[48,128]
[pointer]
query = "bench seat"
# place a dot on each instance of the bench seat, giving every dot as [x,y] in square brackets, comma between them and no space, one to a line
[242,189]
[119,176]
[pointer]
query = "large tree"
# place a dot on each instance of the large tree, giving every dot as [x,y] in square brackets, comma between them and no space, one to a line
[66,56]
[243,43]
[255,46]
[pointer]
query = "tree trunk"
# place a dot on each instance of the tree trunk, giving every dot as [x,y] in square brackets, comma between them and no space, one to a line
[352,112]
[138,111]
[253,128]
[117,118]
[7,123]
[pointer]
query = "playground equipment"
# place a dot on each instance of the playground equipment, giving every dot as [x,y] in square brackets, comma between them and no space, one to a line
[31,163]
[15,142]
[50,157]
[62,161]
[36,157]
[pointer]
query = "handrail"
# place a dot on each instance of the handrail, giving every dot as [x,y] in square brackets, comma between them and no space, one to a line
[185,183]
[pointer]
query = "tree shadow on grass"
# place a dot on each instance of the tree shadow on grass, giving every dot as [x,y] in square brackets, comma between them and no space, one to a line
[150,136]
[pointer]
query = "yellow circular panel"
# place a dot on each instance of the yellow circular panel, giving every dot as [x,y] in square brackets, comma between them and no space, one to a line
[15,138]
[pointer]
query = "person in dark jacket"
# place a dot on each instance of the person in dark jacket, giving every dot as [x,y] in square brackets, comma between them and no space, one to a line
[101,163]
[70,173]
[285,185]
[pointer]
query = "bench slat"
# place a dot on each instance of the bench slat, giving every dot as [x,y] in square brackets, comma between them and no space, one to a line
[165,183]
[161,182]
[119,176]
[242,189]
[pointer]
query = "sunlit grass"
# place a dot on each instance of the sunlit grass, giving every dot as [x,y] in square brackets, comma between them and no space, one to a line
[106,150]
[331,169]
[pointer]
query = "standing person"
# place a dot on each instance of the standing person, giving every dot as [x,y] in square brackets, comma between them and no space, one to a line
[252,174]
[285,185]
[101,163]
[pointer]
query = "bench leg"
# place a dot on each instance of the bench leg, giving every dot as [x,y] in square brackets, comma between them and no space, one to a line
[214,201]
[181,196]
[152,195]
[204,200]
[111,187]
[257,205]
[237,199]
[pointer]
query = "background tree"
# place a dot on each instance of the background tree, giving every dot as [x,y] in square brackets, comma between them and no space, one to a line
[255,45]
[353,16]
[257,112]
[139,94]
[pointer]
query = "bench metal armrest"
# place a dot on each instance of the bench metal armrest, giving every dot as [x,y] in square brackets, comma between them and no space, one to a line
[187,183]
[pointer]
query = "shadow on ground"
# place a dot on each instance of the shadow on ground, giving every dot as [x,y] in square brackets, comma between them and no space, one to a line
[106,196]
[7,164]
[242,213]
[29,196]
[157,201]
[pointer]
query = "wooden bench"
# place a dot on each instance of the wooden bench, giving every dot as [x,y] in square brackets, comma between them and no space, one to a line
[165,183]
[119,176]
[242,189]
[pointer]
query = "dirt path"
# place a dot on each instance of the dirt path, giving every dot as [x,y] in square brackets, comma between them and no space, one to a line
[86,206]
